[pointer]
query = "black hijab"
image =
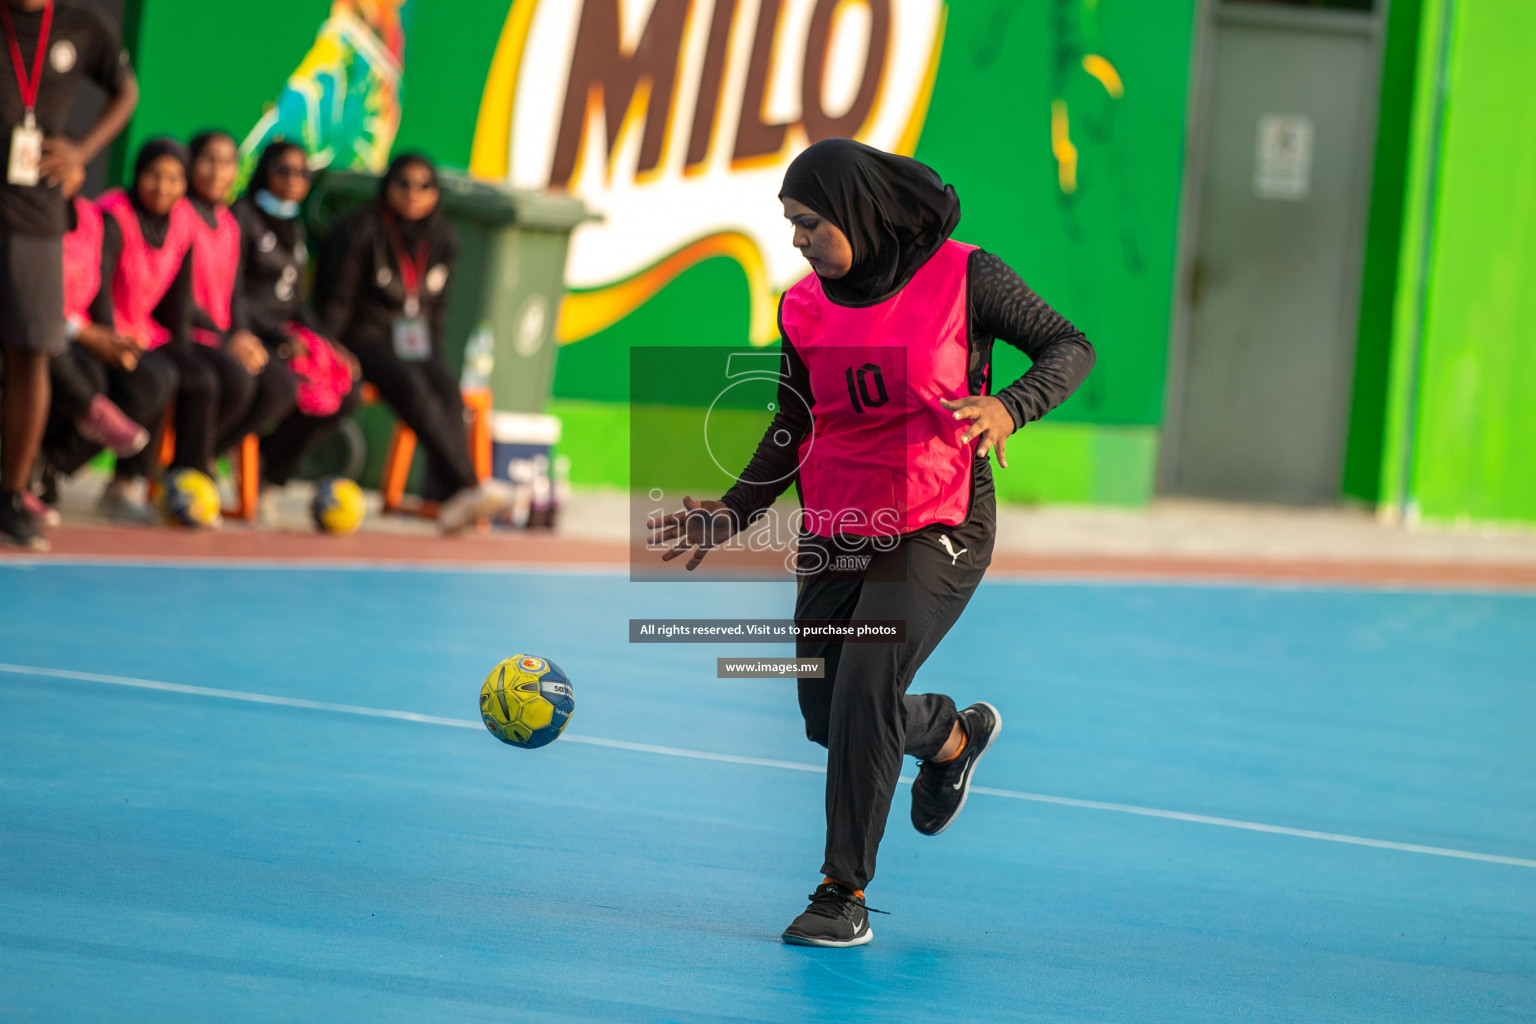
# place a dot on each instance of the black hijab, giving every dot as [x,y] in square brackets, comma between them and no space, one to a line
[895,211]
[412,232]
[154,226]
[290,230]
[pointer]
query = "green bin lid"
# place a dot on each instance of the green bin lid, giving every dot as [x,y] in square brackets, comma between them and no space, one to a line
[480,200]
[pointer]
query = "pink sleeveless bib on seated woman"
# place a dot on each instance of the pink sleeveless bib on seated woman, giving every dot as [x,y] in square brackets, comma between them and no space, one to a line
[82,262]
[323,378]
[215,259]
[145,273]
[883,456]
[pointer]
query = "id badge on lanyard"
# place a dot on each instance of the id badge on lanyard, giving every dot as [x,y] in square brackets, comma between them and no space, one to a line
[413,341]
[25,164]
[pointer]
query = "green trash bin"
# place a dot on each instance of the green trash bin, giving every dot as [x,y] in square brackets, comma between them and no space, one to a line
[506,290]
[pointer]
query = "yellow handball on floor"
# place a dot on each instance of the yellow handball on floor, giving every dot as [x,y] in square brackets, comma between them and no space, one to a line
[339,505]
[189,498]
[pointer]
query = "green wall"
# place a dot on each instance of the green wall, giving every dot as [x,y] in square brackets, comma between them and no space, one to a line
[1462,419]
[203,64]
[1379,286]
[1104,255]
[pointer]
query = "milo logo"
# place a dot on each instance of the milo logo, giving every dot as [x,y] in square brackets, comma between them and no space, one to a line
[675,119]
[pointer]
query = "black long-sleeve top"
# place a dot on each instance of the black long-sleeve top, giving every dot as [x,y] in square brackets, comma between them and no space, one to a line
[269,290]
[175,310]
[363,295]
[1000,306]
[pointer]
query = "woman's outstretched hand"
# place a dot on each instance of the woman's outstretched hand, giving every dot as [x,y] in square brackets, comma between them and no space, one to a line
[701,525]
[991,423]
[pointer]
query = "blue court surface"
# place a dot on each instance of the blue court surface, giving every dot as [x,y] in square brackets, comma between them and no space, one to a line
[1208,804]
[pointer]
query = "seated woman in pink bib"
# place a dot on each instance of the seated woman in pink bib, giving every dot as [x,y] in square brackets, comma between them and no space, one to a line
[219,317]
[886,415]
[147,242]
[107,392]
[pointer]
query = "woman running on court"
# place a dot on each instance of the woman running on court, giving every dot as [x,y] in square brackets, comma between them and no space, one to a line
[884,423]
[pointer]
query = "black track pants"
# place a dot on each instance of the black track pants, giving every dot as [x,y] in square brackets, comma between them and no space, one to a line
[218,402]
[214,391]
[273,398]
[282,449]
[78,376]
[426,396]
[861,712]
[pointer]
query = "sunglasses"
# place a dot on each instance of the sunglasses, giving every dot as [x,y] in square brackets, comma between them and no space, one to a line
[409,185]
[283,171]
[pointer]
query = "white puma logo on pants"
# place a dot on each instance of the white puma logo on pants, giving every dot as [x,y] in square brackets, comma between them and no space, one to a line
[949,549]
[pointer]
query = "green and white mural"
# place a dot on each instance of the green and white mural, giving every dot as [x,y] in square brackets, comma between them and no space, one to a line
[1060,123]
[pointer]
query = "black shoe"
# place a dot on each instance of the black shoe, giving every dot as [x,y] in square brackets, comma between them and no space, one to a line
[941,787]
[836,917]
[16,524]
[48,484]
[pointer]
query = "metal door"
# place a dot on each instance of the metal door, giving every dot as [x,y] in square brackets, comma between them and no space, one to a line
[1260,385]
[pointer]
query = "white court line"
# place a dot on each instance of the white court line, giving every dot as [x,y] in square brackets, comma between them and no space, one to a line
[761,762]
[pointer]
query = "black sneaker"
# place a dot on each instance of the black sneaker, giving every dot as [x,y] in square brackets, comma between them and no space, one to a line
[836,917]
[940,790]
[16,524]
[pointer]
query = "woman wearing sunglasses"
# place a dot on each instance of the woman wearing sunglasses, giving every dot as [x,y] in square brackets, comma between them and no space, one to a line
[387,270]
[273,259]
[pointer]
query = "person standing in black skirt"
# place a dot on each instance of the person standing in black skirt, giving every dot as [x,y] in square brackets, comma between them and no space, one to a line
[387,272]
[50,47]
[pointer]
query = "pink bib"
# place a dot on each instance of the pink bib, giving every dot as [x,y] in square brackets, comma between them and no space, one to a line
[883,457]
[215,259]
[322,377]
[145,273]
[82,262]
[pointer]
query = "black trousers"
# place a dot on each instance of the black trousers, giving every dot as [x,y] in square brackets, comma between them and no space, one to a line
[78,377]
[282,449]
[218,402]
[425,395]
[861,712]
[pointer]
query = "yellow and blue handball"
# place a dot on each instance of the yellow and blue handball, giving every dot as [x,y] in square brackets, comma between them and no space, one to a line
[189,498]
[526,701]
[339,505]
